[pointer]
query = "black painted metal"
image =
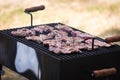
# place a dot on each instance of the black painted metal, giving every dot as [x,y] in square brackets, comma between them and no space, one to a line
[0,70]
[77,66]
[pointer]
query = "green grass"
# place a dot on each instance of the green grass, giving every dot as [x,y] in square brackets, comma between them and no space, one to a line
[95,8]
[114,7]
[7,16]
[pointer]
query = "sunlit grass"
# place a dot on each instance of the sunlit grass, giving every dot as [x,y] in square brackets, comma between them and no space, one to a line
[95,8]
[9,15]
[66,0]
[114,8]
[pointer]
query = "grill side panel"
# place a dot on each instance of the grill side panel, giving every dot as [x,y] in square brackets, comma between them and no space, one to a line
[8,54]
[82,68]
[48,66]
[7,50]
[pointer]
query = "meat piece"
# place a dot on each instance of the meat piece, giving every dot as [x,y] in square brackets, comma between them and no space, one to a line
[78,39]
[47,42]
[51,42]
[68,40]
[43,28]
[56,33]
[63,45]
[81,34]
[75,33]
[54,45]
[54,49]
[39,39]
[37,29]
[80,46]
[72,40]
[23,32]
[86,36]
[64,28]
[59,32]
[63,48]
[98,43]
[51,35]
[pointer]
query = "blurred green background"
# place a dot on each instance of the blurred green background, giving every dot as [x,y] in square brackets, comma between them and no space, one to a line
[97,17]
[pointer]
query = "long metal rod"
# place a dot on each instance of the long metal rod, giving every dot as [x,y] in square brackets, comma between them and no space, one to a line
[93,39]
[31,18]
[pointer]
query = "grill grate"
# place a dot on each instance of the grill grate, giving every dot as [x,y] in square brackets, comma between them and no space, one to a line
[44,49]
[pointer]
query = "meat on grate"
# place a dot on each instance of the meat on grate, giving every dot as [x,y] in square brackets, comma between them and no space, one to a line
[23,32]
[98,43]
[43,28]
[61,38]
[39,39]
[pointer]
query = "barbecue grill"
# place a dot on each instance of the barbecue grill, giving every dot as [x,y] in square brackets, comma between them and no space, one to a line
[36,62]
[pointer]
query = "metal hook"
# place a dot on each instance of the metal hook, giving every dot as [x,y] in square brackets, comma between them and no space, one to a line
[31,17]
[93,40]
[33,9]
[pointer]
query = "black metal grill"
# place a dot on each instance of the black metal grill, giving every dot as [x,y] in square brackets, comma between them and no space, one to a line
[77,66]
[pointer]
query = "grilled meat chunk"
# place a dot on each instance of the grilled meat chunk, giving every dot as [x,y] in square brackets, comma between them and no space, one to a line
[64,28]
[39,39]
[81,34]
[43,28]
[23,32]
[98,43]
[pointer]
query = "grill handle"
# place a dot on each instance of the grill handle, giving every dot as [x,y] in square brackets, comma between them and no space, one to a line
[104,72]
[113,39]
[33,9]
